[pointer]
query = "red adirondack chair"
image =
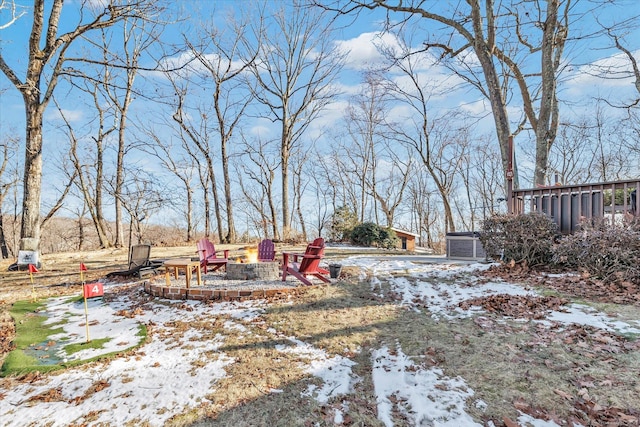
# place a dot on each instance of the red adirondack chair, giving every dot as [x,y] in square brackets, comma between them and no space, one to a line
[309,264]
[208,256]
[266,250]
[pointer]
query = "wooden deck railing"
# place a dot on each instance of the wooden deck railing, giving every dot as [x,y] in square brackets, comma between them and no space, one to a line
[568,205]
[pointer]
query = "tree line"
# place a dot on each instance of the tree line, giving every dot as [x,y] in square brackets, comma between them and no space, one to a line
[241,120]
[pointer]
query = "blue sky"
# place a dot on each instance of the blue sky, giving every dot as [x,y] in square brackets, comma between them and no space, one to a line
[359,40]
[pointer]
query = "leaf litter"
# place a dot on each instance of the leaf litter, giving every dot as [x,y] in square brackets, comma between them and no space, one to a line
[415,376]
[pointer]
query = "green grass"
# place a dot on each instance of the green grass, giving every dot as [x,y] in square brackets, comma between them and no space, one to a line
[95,344]
[30,330]
[34,351]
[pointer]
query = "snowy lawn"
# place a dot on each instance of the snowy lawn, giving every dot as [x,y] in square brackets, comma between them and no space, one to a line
[331,371]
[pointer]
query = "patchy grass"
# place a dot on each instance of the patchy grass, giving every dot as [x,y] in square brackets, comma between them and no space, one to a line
[513,366]
[567,373]
[94,344]
[267,384]
[30,333]
[35,351]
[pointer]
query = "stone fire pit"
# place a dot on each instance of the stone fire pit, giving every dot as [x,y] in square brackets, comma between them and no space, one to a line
[253,270]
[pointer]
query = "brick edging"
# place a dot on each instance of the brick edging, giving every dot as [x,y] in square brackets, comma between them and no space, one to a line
[203,294]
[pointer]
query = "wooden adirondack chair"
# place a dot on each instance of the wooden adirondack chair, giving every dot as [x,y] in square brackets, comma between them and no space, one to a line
[208,256]
[266,251]
[309,264]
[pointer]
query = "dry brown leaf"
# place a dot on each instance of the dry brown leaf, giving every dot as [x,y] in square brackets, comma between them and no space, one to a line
[509,423]
[563,394]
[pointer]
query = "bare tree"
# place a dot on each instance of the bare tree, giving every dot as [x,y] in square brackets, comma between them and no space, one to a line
[365,124]
[260,164]
[119,78]
[486,180]
[424,209]
[630,141]
[346,185]
[8,180]
[438,145]
[182,169]
[482,193]
[224,58]
[323,191]
[91,175]
[193,161]
[624,72]
[390,187]
[141,199]
[295,71]
[300,180]
[16,13]
[194,128]
[46,61]
[593,148]
[571,153]
[504,36]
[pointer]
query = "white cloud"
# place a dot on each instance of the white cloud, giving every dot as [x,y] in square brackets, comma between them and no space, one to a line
[362,52]
[476,108]
[70,115]
[613,72]
[262,128]
[331,115]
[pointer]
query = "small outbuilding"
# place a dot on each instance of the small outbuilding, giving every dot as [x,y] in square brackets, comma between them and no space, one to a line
[465,245]
[407,239]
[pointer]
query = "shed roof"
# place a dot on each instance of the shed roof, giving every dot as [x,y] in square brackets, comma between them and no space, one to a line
[397,230]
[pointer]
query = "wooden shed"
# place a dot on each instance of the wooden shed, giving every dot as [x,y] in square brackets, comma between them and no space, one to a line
[407,240]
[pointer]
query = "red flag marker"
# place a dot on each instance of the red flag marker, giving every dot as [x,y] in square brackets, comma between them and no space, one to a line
[92,290]
[83,268]
[32,269]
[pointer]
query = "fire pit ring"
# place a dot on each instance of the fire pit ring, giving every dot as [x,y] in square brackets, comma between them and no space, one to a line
[253,270]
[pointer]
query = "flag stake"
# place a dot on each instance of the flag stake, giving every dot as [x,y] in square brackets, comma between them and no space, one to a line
[84,295]
[86,316]
[32,269]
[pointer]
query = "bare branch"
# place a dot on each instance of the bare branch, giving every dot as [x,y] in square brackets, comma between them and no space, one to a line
[15,14]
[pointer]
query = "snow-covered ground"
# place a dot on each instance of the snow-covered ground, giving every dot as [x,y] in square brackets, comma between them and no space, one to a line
[156,382]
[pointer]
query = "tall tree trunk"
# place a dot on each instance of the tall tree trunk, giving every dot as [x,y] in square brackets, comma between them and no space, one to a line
[189,214]
[207,212]
[216,200]
[272,211]
[48,46]
[3,240]
[100,222]
[81,234]
[546,126]
[284,159]
[30,230]
[119,241]
[303,226]
[123,109]
[94,204]
[231,228]
[484,50]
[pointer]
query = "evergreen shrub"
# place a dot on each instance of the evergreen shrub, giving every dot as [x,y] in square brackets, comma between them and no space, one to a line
[371,234]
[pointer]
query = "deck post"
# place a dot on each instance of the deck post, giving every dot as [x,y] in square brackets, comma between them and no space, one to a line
[509,178]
